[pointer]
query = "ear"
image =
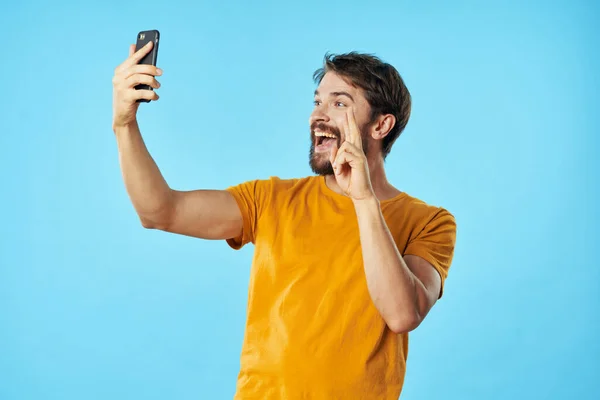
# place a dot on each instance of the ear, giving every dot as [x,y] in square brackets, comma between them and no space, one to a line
[383,125]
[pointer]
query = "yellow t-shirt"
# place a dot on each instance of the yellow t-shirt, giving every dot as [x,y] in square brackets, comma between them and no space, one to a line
[312,330]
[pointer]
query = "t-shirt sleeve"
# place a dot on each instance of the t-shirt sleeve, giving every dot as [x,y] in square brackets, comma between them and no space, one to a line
[251,198]
[435,243]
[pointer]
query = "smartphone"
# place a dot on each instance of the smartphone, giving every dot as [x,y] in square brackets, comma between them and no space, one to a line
[150,58]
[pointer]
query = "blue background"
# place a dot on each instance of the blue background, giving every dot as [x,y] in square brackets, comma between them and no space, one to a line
[504,134]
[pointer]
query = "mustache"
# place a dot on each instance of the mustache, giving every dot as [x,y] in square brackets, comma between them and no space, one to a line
[320,126]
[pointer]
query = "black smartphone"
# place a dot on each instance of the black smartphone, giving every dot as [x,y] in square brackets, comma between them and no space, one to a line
[142,39]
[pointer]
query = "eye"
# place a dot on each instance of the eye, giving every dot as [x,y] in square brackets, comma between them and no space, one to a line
[339,104]
[316,102]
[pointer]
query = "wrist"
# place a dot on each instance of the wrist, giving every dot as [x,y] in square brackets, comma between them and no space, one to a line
[367,204]
[125,128]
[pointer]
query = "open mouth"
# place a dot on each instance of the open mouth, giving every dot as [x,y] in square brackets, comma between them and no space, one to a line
[324,140]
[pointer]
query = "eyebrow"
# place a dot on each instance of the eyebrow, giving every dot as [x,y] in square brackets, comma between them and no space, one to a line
[335,94]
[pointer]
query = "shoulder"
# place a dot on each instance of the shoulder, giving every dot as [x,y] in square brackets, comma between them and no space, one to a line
[420,206]
[273,186]
[277,184]
[419,213]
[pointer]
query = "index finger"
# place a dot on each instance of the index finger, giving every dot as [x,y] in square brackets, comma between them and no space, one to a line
[138,55]
[355,137]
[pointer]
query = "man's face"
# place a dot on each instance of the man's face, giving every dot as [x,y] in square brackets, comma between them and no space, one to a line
[332,99]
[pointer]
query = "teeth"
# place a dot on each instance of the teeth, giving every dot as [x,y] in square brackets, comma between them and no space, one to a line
[329,135]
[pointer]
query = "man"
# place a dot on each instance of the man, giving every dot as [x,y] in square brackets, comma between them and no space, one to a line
[345,264]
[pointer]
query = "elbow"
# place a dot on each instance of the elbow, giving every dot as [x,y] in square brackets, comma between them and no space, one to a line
[160,219]
[150,223]
[147,223]
[404,323]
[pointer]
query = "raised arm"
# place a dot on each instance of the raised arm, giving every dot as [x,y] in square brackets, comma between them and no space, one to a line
[206,214]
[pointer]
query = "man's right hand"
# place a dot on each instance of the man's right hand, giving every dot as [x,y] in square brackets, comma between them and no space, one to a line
[128,75]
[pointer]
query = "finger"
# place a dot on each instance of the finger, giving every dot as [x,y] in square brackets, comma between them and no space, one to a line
[339,155]
[348,158]
[350,148]
[347,132]
[136,79]
[351,153]
[344,158]
[334,151]
[138,55]
[134,57]
[338,163]
[134,95]
[142,69]
[356,137]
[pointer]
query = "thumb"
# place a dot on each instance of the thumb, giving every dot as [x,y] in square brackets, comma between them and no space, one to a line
[334,150]
[131,49]
[333,155]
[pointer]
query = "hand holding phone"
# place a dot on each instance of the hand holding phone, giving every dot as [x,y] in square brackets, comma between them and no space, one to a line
[143,38]
[134,80]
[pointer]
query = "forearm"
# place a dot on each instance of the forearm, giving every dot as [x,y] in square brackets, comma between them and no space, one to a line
[147,188]
[393,287]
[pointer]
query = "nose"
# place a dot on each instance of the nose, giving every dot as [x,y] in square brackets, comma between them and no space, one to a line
[319,114]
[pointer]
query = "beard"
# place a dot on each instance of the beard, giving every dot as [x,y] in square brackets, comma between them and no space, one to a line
[319,162]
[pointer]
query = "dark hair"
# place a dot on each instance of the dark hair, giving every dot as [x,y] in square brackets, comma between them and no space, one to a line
[382,84]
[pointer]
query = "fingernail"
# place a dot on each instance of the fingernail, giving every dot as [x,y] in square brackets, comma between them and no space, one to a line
[159,71]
